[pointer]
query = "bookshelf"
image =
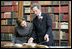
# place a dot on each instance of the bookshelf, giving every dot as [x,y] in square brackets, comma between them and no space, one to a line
[60,12]
[9,14]
[61,18]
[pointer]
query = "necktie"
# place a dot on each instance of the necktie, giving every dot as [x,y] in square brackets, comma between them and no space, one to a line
[38,18]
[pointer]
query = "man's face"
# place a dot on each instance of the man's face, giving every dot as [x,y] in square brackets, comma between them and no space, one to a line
[23,24]
[36,11]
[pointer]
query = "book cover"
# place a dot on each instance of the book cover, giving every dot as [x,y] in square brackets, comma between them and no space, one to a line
[65,17]
[2,15]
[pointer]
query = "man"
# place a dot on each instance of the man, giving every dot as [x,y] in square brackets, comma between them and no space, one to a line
[22,31]
[42,25]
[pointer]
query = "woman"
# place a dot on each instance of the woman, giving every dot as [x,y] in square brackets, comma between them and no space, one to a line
[22,32]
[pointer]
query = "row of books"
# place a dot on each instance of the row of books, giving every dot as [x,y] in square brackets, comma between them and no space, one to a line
[55,43]
[9,8]
[64,25]
[63,35]
[27,10]
[54,17]
[5,36]
[63,9]
[9,15]
[26,3]
[63,17]
[64,2]
[55,25]
[63,43]
[8,29]
[50,2]
[27,17]
[55,35]
[8,22]
[9,3]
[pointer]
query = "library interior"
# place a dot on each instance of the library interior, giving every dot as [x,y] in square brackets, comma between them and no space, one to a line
[60,12]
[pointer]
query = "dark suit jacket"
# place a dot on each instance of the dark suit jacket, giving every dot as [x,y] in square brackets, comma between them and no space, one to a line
[42,27]
[21,35]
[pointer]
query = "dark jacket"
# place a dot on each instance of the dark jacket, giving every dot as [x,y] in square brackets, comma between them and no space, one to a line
[21,35]
[42,27]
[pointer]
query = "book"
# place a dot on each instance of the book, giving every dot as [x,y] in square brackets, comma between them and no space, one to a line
[55,25]
[14,2]
[52,8]
[43,8]
[49,10]
[56,17]
[27,17]
[2,3]
[2,15]
[26,3]
[65,17]
[52,17]
[15,8]
[13,22]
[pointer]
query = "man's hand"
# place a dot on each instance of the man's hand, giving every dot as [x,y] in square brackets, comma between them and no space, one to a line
[46,37]
[30,40]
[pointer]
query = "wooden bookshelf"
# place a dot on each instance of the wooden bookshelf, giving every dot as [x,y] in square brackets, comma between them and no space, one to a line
[9,20]
[69,23]
[21,12]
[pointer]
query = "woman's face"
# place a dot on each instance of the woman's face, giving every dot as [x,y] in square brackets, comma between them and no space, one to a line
[23,24]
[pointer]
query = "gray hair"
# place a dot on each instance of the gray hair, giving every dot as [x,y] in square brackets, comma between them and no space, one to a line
[36,4]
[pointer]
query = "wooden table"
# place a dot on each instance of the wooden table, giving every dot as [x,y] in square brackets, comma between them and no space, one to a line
[2,46]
